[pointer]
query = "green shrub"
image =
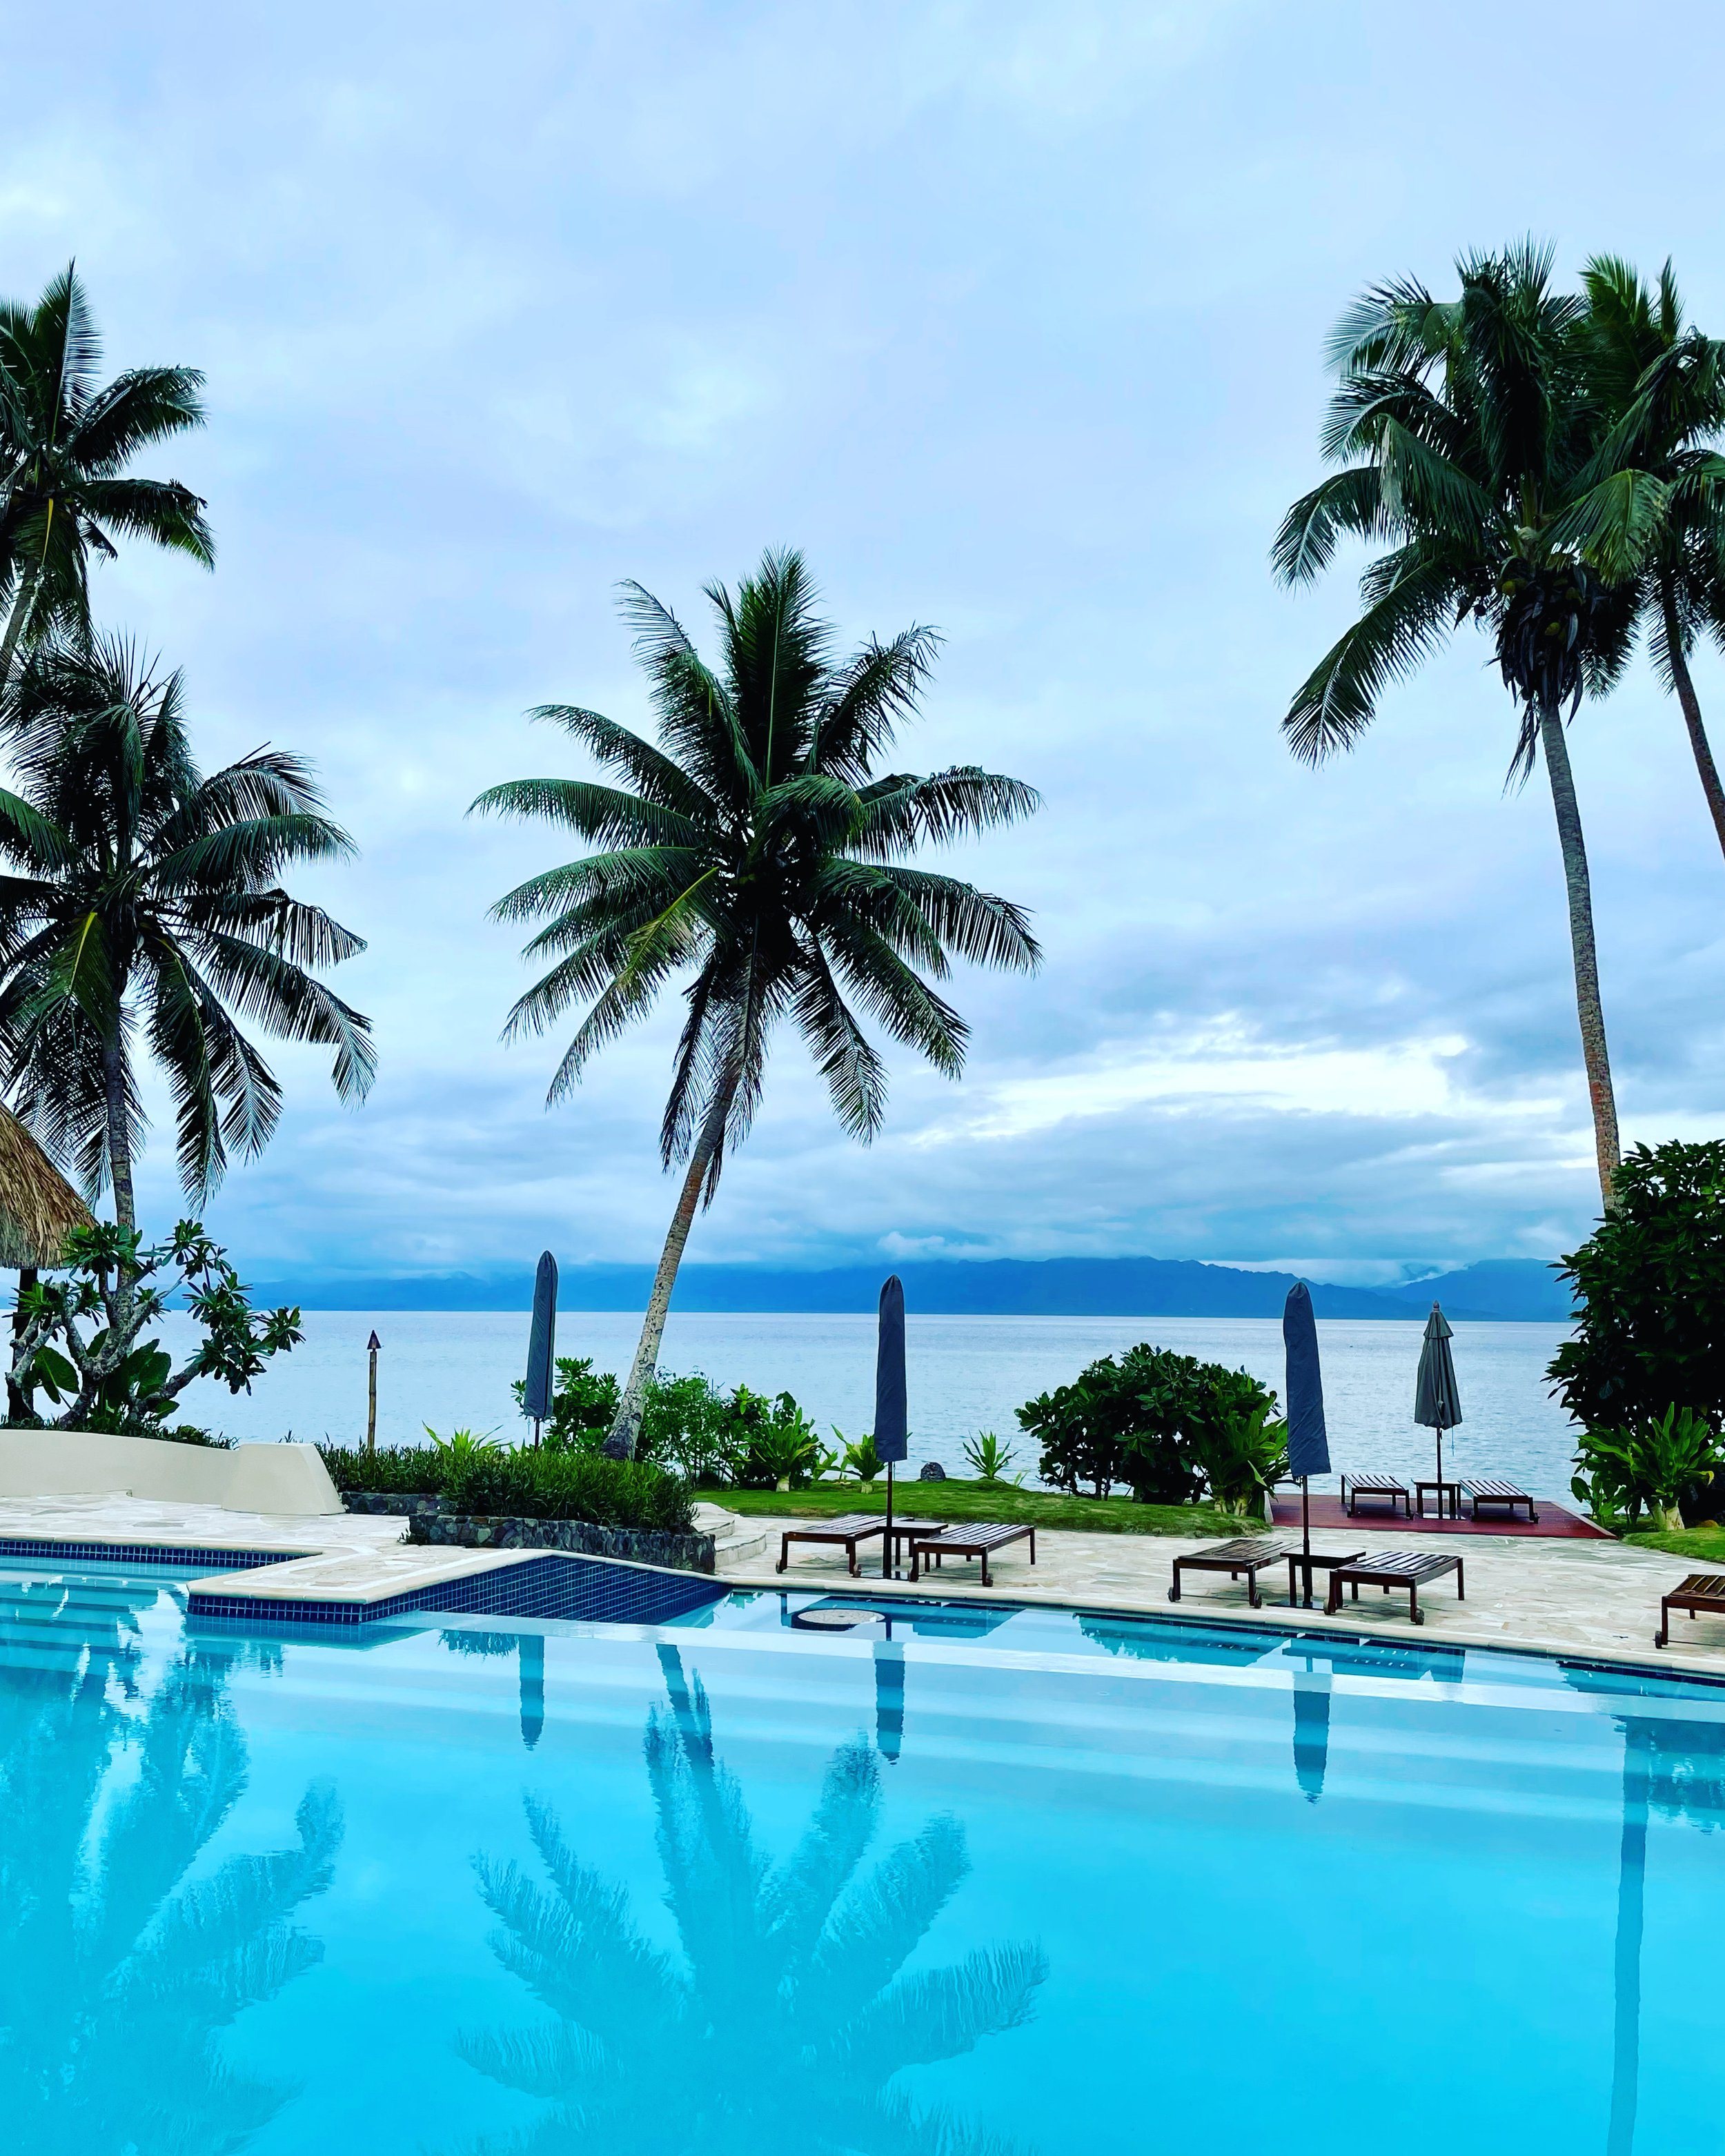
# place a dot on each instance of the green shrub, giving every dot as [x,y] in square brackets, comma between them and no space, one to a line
[1244,1456]
[1150,1420]
[584,1406]
[398,1471]
[1651,1330]
[687,1427]
[860,1460]
[532,1484]
[987,1459]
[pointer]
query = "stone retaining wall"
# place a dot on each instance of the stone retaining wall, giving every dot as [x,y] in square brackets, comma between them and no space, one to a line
[408,1504]
[690,1552]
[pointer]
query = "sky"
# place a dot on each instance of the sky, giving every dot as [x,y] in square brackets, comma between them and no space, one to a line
[1011,317]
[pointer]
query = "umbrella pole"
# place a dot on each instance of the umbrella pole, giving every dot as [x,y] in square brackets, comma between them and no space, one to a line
[886,1552]
[1440,1470]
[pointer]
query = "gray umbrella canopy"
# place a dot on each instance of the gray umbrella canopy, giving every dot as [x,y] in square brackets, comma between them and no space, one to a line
[1437,1401]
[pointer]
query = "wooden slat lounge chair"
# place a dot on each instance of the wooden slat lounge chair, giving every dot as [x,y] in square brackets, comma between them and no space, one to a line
[1702,1591]
[1409,1568]
[1249,1554]
[849,1529]
[1495,1491]
[954,1540]
[1376,1490]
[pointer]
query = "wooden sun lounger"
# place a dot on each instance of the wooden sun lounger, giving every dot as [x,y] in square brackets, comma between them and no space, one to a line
[1494,1491]
[1702,1592]
[1409,1568]
[1249,1554]
[849,1529]
[1376,1490]
[954,1540]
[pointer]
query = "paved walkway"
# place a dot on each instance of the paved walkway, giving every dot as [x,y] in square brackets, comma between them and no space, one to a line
[1596,1598]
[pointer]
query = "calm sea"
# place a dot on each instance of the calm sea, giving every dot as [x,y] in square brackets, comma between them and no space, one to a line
[452,1369]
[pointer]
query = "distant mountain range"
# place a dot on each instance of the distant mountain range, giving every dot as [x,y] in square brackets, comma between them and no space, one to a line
[1496,1288]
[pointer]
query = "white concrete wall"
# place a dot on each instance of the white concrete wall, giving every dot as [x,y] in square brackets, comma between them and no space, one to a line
[252,1478]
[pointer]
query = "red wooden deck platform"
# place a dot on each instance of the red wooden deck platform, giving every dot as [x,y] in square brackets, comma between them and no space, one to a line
[1554,1523]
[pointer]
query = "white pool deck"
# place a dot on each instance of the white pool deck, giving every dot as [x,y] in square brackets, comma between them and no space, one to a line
[1597,1599]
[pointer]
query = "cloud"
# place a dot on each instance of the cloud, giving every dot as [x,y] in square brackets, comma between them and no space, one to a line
[1012,316]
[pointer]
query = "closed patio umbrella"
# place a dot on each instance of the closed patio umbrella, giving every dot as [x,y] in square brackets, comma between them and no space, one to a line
[1437,1403]
[891,1416]
[1308,1439]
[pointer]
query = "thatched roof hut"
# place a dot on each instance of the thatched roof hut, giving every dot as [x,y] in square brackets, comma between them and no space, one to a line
[38,1207]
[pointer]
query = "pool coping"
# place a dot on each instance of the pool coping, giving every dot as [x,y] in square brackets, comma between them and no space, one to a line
[246,1579]
[1289,1622]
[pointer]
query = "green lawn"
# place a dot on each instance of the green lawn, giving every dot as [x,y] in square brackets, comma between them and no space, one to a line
[956,1500]
[1706,1544]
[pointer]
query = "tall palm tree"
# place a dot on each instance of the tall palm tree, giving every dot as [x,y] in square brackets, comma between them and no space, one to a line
[1467,438]
[1661,388]
[141,902]
[788,2012]
[65,442]
[757,849]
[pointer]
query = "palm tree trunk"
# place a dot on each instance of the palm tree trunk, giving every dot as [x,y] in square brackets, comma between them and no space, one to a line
[626,1431]
[1588,1006]
[119,1133]
[15,625]
[1691,703]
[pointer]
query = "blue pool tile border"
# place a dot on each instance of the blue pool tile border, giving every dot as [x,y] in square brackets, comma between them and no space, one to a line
[183,1556]
[591,1589]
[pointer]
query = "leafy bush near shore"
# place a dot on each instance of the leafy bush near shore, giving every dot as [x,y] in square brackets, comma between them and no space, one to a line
[492,1482]
[583,1405]
[569,1485]
[1164,1425]
[397,1471]
[1668,1464]
[1650,1332]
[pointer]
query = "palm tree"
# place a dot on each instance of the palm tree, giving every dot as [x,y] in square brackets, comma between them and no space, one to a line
[141,900]
[66,443]
[1467,439]
[1661,388]
[788,2013]
[757,847]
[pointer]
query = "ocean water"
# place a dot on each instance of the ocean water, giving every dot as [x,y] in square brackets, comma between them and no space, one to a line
[452,1369]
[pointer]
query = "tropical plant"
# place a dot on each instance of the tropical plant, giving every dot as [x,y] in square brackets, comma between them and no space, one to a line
[392,1469]
[1650,1283]
[785,2012]
[134,1933]
[105,1377]
[1244,1456]
[459,1448]
[142,900]
[783,1446]
[987,1459]
[583,1405]
[66,443]
[760,848]
[861,1461]
[1470,449]
[1660,388]
[1660,1463]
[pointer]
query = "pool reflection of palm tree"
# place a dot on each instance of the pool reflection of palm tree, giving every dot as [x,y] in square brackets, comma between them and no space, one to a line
[117,1969]
[790,2010]
[1674,1769]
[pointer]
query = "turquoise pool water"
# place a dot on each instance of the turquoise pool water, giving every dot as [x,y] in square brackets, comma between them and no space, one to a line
[938,1882]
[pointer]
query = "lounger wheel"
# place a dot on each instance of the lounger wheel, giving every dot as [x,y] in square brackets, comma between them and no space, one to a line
[1174,1594]
[1418,1616]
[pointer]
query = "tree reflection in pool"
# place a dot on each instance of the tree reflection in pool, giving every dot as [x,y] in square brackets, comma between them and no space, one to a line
[792,2007]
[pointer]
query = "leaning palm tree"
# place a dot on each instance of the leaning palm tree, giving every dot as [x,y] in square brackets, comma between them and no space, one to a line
[1660,389]
[66,440]
[758,850]
[1467,439]
[141,908]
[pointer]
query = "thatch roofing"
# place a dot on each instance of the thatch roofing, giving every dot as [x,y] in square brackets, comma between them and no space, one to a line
[38,1207]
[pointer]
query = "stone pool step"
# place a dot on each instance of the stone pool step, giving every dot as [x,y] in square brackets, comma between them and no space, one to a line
[736,1541]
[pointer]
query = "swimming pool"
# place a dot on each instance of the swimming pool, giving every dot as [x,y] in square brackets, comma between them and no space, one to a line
[743,1882]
